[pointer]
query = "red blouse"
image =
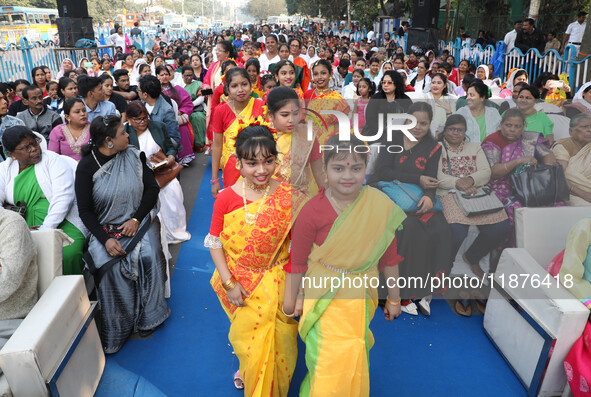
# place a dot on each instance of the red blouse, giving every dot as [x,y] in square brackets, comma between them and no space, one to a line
[312,227]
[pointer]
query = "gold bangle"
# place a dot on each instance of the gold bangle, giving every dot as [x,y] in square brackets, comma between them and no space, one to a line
[394,303]
[292,315]
[135,220]
[230,283]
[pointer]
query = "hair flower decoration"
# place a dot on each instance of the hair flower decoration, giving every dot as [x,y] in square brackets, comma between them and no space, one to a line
[254,122]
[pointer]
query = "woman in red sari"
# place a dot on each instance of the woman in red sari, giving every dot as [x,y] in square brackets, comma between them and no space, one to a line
[213,77]
[238,109]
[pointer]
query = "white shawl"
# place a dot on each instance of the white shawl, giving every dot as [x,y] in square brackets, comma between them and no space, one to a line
[492,119]
[55,174]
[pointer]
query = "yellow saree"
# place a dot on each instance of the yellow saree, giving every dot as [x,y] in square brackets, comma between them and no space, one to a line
[325,126]
[229,144]
[293,168]
[263,338]
[335,321]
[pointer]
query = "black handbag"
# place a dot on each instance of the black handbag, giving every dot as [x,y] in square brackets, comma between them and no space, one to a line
[540,185]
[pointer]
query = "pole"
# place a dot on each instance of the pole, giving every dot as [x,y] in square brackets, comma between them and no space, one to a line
[349,15]
[534,9]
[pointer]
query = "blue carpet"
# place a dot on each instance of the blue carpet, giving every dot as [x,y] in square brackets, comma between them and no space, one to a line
[444,354]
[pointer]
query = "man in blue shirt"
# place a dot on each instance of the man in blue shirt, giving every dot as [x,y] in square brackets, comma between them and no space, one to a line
[238,42]
[91,90]
[150,92]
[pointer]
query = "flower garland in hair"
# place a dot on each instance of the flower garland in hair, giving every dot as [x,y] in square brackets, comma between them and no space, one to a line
[255,121]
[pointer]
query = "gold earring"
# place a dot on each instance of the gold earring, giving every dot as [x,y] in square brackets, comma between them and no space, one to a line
[237,164]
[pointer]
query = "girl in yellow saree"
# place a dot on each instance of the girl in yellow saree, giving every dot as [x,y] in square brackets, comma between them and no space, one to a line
[230,117]
[339,237]
[299,158]
[323,98]
[249,244]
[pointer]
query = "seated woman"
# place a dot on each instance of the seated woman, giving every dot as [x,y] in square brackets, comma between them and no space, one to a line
[44,182]
[68,138]
[481,120]
[443,103]
[574,275]
[118,198]
[534,121]
[18,275]
[509,148]
[574,155]
[464,168]
[515,76]
[417,164]
[581,102]
[150,137]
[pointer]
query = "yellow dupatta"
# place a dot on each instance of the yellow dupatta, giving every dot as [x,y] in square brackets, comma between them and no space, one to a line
[293,168]
[330,124]
[578,174]
[335,321]
[229,144]
[252,250]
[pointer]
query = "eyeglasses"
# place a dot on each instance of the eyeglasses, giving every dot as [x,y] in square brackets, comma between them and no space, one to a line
[32,146]
[387,83]
[140,120]
[456,130]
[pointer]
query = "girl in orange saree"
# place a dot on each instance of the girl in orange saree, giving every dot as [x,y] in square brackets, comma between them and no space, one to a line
[229,118]
[249,244]
[299,158]
[324,98]
[341,235]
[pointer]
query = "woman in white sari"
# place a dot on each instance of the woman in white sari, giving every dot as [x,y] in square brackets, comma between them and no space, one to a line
[150,137]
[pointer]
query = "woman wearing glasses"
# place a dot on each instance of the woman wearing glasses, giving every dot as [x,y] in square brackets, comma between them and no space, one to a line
[464,168]
[118,199]
[43,181]
[150,137]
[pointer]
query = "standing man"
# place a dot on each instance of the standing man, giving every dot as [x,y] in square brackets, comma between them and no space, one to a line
[512,35]
[552,43]
[530,37]
[574,32]
[136,31]
[164,36]
[266,31]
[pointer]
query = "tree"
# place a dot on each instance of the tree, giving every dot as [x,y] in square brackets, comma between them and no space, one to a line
[262,9]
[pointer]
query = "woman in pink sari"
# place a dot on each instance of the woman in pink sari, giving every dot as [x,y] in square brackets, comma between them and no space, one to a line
[185,107]
[223,50]
[508,149]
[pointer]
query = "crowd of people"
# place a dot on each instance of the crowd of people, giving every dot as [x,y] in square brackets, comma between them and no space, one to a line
[97,153]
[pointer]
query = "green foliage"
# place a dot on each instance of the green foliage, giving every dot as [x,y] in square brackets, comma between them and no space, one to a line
[365,11]
[261,9]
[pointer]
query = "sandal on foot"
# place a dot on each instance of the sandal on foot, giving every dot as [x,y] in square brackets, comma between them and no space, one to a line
[481,305]
[475,268]
[238,382]
[463,307]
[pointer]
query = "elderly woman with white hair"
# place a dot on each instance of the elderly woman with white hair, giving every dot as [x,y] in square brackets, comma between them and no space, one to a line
[574,155]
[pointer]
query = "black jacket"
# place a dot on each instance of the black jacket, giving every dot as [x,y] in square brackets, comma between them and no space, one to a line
[526,41]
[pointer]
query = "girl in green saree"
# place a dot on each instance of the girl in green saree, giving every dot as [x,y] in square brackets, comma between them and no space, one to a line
[338,240]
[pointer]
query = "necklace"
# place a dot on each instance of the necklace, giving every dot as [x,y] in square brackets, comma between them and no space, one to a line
[249,218]
[336,205]
[322,91]
[99,164]
[256,188]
